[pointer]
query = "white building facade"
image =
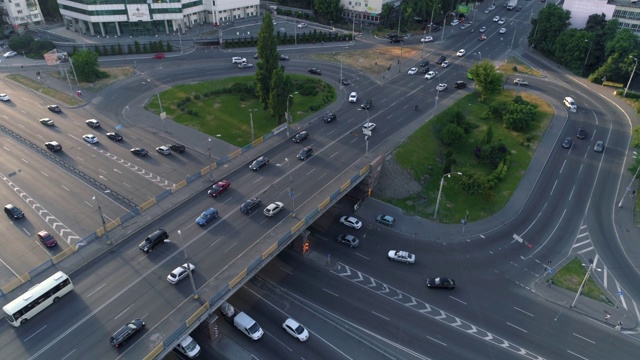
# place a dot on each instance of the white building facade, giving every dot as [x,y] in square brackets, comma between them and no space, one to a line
[627,12]
[365,10]
[149,17]
[21,14]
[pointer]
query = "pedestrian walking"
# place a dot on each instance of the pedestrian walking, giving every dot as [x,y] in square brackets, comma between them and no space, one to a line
[549,283]
[619,326]
[607,316]
[633,193]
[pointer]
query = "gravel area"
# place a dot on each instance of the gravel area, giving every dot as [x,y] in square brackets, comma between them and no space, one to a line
[395,182]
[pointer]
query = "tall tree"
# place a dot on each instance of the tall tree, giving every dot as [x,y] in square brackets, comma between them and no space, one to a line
[268,63]
[329,9]
[279,93]
[552,20]
[572,49]
[620,52]
[488,80]
[85,63]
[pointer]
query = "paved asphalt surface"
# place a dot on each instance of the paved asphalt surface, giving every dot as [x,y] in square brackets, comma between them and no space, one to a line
[561,190]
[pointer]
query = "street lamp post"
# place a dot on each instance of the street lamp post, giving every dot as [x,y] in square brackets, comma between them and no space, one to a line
[588,53]
[287,116]
[435,215]
[104,224]
[251,120]
[584,281]
[186,260]
[631,77]
[626,190]
[210,162]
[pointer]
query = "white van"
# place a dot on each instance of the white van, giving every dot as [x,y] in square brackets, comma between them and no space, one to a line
[571,104]
[248,326]
[189,347]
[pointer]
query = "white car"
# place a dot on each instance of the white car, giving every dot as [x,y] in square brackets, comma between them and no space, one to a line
[496,19]
[92,123]
[487,10]
[430,75]
[368,126]
[180,273]
[519,81]
[238,60]
[295,329]
[273,209]
[492,7]
[302,25]
[503,30]
[351,222]
[455,22]
[501,21]
[446,63]
[412,71]
[4,97]
[401,256]
[483,29]
[353,97]
[426,39]
[90,138]
[245,66]
[464,26]
[164,150]
[461,52]
[441,87]
[10,54]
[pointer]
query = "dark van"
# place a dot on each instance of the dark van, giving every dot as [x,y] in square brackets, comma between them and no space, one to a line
[153,239]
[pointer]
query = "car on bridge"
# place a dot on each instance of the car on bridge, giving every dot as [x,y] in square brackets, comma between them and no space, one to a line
[300,136]
[273,209]
[349,240]
[138,151]
[259,162]
[351,222]
[179,148]
[295,329]
[47,239]
[207,216]
[125,332]
[305,153]
[46,121]
[180,273]
[114,136]
[164,150]
[441,283]
[329,117]
[401,256]
[250,205]
[90,138]
[219,188]
[54,108]
[93,123]
[53,146]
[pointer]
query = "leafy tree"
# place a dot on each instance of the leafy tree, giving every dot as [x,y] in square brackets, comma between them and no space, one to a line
[498,109]
[329,9]
[488,80]
[572,48]
[471,182]
[386,13]
[488,135]
[519,116]
[86,65]
[451,134]
[552,20]
[268,55]
[21,43]
[619,52]
[278,95]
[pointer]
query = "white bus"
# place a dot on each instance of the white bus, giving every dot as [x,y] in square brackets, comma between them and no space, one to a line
[37,299]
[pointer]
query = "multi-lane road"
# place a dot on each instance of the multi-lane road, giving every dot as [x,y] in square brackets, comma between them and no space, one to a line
[127,284]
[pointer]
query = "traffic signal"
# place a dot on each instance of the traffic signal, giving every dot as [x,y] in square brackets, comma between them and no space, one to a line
[305,246]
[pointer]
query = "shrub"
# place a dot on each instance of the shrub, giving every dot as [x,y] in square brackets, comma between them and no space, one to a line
[187,99]
[196,96]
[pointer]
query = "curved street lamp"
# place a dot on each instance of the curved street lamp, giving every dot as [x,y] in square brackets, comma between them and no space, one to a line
[435,215]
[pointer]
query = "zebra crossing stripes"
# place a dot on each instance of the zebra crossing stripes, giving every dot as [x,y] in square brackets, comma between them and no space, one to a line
[420,306]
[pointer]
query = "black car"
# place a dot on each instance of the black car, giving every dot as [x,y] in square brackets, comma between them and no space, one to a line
[396,40]
[441,59]
[329,117]
[305,153]
[53,146]
[179,148]
[300,136]
[315,71]
[114,136]
[425,70]
[54,108]
[367,104]
[139,151]
[460,85]
[258,163]
[13,212]
[424,63]
[125,332]
[284,58]
[392,35]
[436,28]
[582,133]
[567,142]
[349,240]
[441,283]
[250,205]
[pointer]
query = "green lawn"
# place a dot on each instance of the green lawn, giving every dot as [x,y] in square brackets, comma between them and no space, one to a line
[422,154]
[507,68]
[571,276]
[228,114]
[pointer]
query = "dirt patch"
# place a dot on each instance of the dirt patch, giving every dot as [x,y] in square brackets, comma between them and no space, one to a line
[115,74]
[395,182]
[373,61]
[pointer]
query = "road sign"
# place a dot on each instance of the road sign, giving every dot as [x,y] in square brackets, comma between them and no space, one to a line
[620,292]
[550,270]
[291,194]
[119,126]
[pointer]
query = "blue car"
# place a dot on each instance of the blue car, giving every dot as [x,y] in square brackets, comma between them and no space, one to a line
[207,216]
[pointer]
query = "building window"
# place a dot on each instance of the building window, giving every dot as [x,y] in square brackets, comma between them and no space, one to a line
[19,11]
[17,4]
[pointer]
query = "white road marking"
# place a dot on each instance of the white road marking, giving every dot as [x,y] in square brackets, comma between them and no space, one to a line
[35,333]
[584,338]
[384,317]
[334,294]
[458,300]
[572,353]
[521,329]
[96,290]
[523,311]
[439,342]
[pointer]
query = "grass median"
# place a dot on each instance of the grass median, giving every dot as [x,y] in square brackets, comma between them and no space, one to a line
[570,276]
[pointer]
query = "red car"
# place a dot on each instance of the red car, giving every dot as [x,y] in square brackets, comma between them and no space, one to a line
[219,188]
[482,37]
[158,56]
[47,239]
